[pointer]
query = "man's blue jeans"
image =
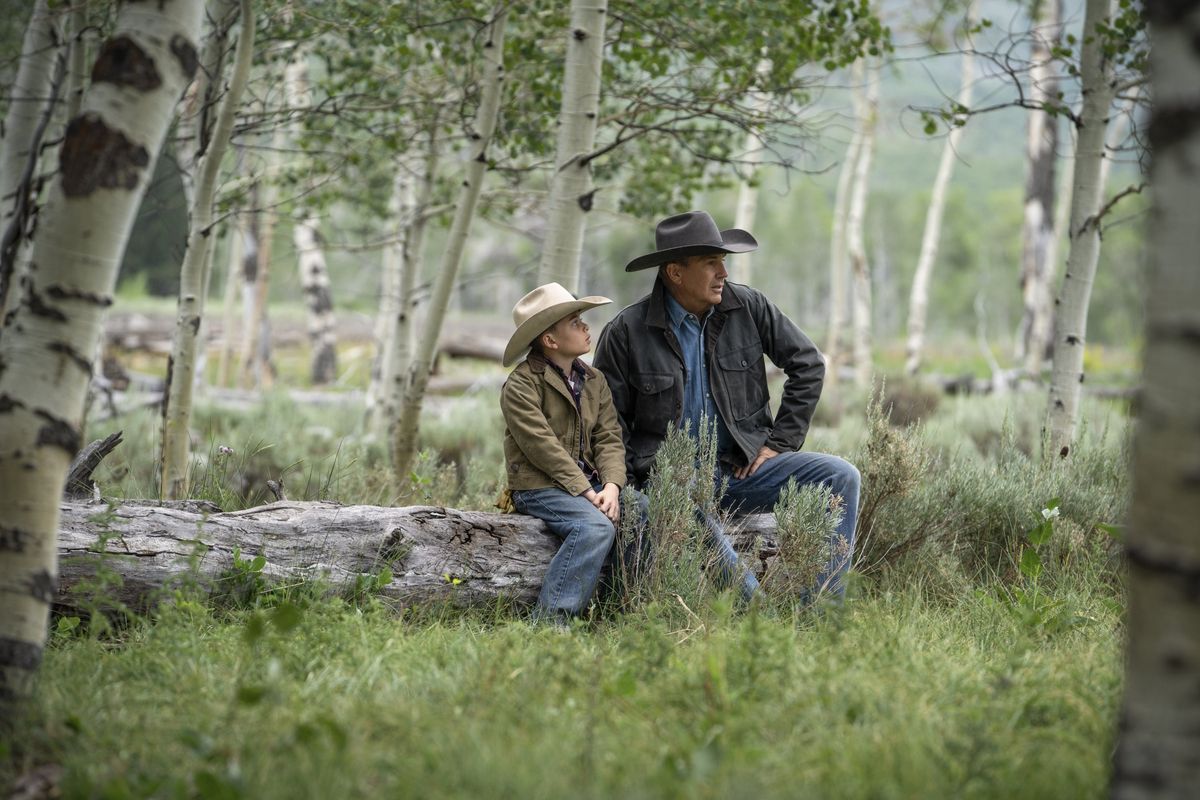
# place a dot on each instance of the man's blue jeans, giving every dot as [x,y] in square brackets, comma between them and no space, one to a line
[587,537]
[759,492]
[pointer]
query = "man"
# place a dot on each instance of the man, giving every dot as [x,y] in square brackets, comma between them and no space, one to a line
[694,349]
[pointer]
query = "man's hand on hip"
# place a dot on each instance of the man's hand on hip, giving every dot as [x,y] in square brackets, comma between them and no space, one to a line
[764,453]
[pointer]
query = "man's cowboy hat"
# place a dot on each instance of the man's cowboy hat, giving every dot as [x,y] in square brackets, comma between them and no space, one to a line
[691,234]
[540,309]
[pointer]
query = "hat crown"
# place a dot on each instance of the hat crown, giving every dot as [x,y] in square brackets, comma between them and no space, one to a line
[541,298]
[690,228]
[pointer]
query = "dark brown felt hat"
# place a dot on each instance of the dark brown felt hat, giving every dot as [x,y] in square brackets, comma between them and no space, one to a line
[691,234]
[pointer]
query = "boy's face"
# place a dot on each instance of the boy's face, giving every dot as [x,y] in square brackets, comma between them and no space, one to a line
[570,334]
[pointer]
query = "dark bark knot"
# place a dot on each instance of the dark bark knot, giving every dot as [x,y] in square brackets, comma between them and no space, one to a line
[579,35]
[94,156]
[123,62]
[57,432]
[185,53]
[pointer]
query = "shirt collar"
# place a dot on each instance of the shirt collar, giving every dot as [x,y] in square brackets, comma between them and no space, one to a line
[676,312]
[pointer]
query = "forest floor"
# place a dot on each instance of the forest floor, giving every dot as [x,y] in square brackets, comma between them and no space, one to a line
[953,669]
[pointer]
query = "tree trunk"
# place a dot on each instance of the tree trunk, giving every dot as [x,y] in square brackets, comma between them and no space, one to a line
[747,199]
[1037,230]
[572,194]
[400,205]
[193,281]
[406,425]
[77,75]
[233,272]
[197,115]
[1158,754]
[106,160]
[918,303]
[855,248]
[838,268]
[27,106]
[1070,321]
[434,553]
[314,280]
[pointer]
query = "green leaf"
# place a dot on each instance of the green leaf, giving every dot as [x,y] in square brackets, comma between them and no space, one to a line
[1031,564]
[1041,533]
[258,563]
[66,624]
[1115,532]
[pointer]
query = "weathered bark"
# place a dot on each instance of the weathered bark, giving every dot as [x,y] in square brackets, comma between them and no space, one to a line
[1041,154]
[45,357]
[28,110]
[434,553]
[1070,319]
[855,249]
[571,195]
[405,426]
[918,302]
[193,281]
[1158,753]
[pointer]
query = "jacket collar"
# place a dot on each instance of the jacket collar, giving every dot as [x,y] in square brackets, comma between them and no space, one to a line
[656,311]
[538,363]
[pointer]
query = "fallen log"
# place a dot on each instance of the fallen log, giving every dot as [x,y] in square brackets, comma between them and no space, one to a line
[434,553]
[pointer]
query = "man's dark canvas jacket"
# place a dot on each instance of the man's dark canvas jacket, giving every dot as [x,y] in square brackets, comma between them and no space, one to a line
[640,356]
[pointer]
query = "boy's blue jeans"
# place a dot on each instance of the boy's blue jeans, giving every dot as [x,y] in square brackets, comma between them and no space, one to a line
[759,492]
[587,537]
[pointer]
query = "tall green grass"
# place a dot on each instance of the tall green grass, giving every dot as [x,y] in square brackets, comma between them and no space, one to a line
[954,669]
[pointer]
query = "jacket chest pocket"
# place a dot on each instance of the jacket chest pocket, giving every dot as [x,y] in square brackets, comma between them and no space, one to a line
[745,379]
[655,406]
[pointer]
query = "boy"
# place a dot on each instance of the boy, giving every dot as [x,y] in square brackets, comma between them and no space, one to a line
[563,450]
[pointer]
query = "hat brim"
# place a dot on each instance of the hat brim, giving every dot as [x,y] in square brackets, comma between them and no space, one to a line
[734,240]
[529,330]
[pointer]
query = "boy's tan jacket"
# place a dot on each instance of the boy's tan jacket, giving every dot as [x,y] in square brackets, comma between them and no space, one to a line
[542,429]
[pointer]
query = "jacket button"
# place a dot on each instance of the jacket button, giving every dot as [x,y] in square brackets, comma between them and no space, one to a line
[743,362]
[647,388]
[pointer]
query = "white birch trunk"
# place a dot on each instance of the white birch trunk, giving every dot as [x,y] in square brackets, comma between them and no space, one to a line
[1038,246]
[571,194]
[1158,753]
[193,281]
[105,163]
[233,273]
[838,268]
[257,370]
[1070,322]
[856,250]
[918,302]
[27,105]
[318,296]
[406,425]
[399,208]
[197,110]
[77,59]
[310,256]
[747,199]
[399,350]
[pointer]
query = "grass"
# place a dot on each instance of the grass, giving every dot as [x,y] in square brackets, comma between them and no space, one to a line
[893,695]
[954,669]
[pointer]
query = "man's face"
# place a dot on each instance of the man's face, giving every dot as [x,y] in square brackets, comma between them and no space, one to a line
[698,281]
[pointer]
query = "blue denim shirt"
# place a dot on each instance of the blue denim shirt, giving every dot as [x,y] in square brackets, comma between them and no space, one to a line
[697,397]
